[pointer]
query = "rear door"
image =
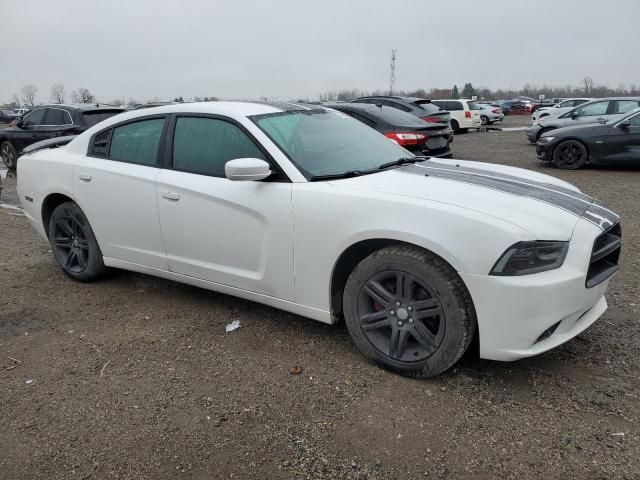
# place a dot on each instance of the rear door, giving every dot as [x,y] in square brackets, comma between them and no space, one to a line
[623,144]
[57,122]
[115,185]
[235,233]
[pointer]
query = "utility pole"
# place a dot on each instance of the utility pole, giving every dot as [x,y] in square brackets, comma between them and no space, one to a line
[392,79]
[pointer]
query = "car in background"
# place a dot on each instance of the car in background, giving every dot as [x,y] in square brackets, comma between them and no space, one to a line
[489,113]
[595,111]
[408,131]
[50,121]
[463,113]
[559,108]
[615,141]
[152,104]
[7,116]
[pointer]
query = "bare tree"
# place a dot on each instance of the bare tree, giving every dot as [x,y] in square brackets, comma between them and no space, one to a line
[16,99]
[82,95]
[57,93]
[118,102]
[29,95]
[588,85]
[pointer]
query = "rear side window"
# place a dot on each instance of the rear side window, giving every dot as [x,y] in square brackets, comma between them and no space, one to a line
[93,117]
[101,144]
[624,106]
[453,106]
[137,142]
[205,145]
[55,116]
[429,107]
[33,118]
[396,117]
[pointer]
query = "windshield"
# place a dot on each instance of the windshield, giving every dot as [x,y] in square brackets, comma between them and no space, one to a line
[321,142]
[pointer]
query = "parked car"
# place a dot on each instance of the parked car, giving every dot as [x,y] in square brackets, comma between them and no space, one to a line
[463,113]
[559,108]
[615,141]
[307,210]
[489,114]
[595,111]
[406,130]
[49,121]
[21,111]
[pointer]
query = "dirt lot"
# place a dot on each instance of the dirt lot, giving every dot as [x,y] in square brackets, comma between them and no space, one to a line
[134,377]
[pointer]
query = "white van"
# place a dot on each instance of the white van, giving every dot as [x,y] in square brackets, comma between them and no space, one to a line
[463,113]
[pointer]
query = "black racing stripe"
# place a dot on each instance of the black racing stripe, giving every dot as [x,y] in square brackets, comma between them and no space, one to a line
[570,204]
[566,199]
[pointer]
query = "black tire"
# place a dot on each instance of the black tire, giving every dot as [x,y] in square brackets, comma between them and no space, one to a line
[570,155]
[9,154]
[73,243]
[485,120]
[409,311]
[455,126]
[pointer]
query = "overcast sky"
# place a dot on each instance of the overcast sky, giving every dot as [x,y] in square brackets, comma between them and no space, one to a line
[294,48]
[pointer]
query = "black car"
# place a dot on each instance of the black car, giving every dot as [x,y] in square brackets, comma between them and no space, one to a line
[419,107]
[614,141]
[49,121]
[412,133]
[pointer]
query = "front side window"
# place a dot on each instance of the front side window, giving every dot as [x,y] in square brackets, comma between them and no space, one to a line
[635,121]
[137,142]
[204,145]
[321,142]
[34,118]
[598,108]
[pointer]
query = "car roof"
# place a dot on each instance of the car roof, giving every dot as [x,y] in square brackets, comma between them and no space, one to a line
[393,97]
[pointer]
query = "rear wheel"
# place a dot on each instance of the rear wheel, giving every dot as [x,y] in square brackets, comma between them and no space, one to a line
[455,126]
[9,155]
[409,311]
[570,155]
[485,120]
[73,243]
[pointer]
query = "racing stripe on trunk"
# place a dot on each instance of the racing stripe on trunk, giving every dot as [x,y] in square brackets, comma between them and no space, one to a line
[566,199]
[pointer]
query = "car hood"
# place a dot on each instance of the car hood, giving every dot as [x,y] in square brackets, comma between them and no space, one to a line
[546,207]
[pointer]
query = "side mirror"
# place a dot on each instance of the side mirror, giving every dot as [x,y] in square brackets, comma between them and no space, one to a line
[624,125]
[247,169]
[574,115]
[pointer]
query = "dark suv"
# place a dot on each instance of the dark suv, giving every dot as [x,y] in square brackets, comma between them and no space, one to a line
[50,121]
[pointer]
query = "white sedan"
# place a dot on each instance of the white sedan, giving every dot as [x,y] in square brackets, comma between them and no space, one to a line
[307,210]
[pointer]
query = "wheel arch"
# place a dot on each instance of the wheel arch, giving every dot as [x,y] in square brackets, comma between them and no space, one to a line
[544,130]
[49,204]
[354,254]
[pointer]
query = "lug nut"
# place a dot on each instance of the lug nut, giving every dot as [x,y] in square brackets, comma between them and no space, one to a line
[398,303]
[400,323]
[392,312]
[411,320]
[409,308]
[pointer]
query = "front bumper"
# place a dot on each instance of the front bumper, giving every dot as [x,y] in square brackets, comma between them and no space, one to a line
[532,132]
[544,152]
[515,314]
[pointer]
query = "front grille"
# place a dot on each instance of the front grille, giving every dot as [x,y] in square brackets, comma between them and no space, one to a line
[605,256]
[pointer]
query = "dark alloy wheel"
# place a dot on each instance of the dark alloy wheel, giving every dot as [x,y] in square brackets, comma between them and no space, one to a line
[455,126]
[8,153]
[73,243]
[401,316]
[570,155]
[485,120]
[409,311]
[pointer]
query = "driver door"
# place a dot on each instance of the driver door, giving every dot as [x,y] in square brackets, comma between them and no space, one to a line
[235,233]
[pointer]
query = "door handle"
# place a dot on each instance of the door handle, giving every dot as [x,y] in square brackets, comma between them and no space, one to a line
[84,177]
[173,196]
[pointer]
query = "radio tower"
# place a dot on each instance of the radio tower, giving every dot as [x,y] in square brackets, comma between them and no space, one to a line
[392,79]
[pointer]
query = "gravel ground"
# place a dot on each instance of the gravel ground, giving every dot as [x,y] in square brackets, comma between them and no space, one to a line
[134,377]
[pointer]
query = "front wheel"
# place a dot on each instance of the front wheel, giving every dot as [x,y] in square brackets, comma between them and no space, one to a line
[9,155]
[485,120]
[73,243]
[570,155]
[409,311]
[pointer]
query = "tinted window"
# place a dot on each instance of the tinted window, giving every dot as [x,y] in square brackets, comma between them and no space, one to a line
[91,118]
[101,144]
[635,121]
[56,116]
[34,118]
[624,106]
[137,142]
[440,104]
[204,145]
[400,106]
[396,117]
[428,107]
[598,108]
[362,118]
[453,106]
[472,106]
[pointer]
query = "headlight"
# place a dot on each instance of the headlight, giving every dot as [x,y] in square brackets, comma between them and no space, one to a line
[526,258]
[544,139]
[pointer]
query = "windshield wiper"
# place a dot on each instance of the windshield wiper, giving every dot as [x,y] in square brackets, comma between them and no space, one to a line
[402,161]
[347,174]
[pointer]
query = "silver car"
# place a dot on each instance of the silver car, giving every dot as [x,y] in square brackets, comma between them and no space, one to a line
[489,113]
[598,110]
[559,108]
